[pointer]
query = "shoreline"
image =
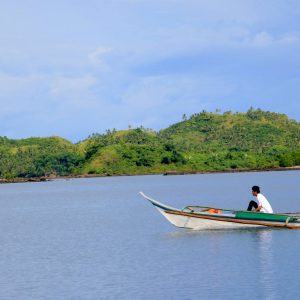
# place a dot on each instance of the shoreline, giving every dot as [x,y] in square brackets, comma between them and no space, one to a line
[295,168]
[168,173]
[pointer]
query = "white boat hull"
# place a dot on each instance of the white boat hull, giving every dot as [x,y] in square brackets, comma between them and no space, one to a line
[203,224]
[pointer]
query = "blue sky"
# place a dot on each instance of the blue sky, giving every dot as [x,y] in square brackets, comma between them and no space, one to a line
[72,68]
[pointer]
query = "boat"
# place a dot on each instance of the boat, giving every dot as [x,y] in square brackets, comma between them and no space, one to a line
[203,217]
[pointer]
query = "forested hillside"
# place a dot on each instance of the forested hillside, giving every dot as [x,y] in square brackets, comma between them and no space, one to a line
[36,157]
[205,142]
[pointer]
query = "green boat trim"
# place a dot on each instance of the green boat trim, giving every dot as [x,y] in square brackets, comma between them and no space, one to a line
[260,216]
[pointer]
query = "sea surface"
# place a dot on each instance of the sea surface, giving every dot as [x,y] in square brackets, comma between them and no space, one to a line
[99,239]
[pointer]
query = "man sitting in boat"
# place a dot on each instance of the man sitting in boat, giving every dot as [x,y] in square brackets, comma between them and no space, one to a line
[261,204]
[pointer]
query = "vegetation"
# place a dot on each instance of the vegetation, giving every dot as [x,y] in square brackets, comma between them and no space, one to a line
[205,142]
[36,157]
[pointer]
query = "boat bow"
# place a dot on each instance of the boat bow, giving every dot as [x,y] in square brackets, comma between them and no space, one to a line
[159,205]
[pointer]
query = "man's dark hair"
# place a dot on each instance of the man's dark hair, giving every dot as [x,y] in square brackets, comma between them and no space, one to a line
[256,188]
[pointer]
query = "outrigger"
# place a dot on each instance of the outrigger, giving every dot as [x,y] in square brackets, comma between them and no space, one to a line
[202,217]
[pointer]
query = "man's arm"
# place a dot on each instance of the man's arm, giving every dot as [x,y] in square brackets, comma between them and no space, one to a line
[259,208]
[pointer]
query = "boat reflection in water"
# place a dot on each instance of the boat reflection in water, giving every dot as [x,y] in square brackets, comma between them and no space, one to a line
[266,264]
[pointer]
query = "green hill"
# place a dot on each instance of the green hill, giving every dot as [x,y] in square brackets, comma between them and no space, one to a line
[205,142]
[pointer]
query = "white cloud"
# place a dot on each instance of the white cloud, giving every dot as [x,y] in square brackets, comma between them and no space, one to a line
[20,93]
[189,39]
[157,101]
[96,57]
[262,39]
[14,83]
[69,86]
[266,39]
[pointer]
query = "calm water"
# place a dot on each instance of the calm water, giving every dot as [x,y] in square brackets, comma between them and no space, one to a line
[98,239]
